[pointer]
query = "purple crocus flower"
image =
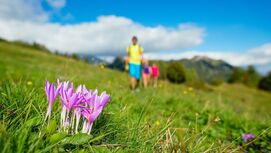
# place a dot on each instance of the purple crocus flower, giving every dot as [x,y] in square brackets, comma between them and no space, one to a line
[70,100]
[51,94]
[248,136]
[96,106]
[76,103]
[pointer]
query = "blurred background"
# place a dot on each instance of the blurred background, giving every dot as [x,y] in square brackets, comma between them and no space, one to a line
[218,41]
[213,92]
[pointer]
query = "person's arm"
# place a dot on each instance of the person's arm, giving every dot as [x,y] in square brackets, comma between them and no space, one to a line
[141,53]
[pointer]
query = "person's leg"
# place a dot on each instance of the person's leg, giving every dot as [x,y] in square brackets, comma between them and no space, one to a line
[148,79]
[133,83]
[152,80]
[144,77]
[137,75]
[132,71]
[137,84]
[155,81]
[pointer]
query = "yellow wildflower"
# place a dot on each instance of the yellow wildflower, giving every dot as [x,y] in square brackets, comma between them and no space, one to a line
[157,123]
[102,66]
[190,89]
[29,83]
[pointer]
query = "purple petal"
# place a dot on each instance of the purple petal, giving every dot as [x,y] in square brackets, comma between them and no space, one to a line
[59,87]
[47,86]
[92,117]
[66,85]
[70,92]
[79,89]
[51,92]
[104,100]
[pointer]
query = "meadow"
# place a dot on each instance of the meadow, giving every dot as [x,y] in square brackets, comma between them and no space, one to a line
[170,118]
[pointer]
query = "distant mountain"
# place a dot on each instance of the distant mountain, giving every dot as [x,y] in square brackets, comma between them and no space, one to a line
[208,69]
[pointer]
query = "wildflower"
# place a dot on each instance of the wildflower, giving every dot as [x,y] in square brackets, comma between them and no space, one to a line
[248,137]
[157,123]
[102,66]
[184,92]
[190,88]
[96,106]
[51,94]
[29,83]
[76,103]
[69,100]
[217,119]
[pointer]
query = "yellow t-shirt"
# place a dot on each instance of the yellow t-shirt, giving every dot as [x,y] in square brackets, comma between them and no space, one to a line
[135,52]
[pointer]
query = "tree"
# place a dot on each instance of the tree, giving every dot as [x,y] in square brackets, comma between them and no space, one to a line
[265,83]
[118,63]
[251,77]
[40,47]
[176,72]
[75,56]
[236,75]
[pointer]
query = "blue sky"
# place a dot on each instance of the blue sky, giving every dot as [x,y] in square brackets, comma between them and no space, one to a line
[237,31]
[233,25]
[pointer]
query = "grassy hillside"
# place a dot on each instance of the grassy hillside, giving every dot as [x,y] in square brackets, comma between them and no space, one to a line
[171,117]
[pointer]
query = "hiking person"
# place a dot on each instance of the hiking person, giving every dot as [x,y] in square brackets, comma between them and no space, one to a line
[155,74]
[134,55]
[146,71]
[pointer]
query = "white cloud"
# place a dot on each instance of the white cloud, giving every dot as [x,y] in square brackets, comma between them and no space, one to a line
[257,56]
[27,20]
[22,10]
[57,4]
[109,34]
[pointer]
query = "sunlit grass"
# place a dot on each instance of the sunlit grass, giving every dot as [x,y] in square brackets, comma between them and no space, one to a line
[167,119]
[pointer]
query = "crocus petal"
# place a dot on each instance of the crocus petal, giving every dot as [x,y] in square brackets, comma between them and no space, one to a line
[104,100]
[79,89]
[47,86]
[94,115]
[70,92]
[51,93]
[59,87]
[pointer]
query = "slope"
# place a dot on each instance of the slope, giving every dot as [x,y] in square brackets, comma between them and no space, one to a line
[167,118]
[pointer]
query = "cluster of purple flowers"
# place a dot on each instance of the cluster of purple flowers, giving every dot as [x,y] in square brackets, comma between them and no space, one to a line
[79,105]
[248,137]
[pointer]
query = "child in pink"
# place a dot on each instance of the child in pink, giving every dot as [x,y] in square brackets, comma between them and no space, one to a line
[155,74]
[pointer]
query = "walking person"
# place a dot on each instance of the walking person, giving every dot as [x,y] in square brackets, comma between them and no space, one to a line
[155,74]
[134,56]
[146,71]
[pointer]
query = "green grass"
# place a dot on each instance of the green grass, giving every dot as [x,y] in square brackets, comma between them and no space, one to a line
[165,119]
